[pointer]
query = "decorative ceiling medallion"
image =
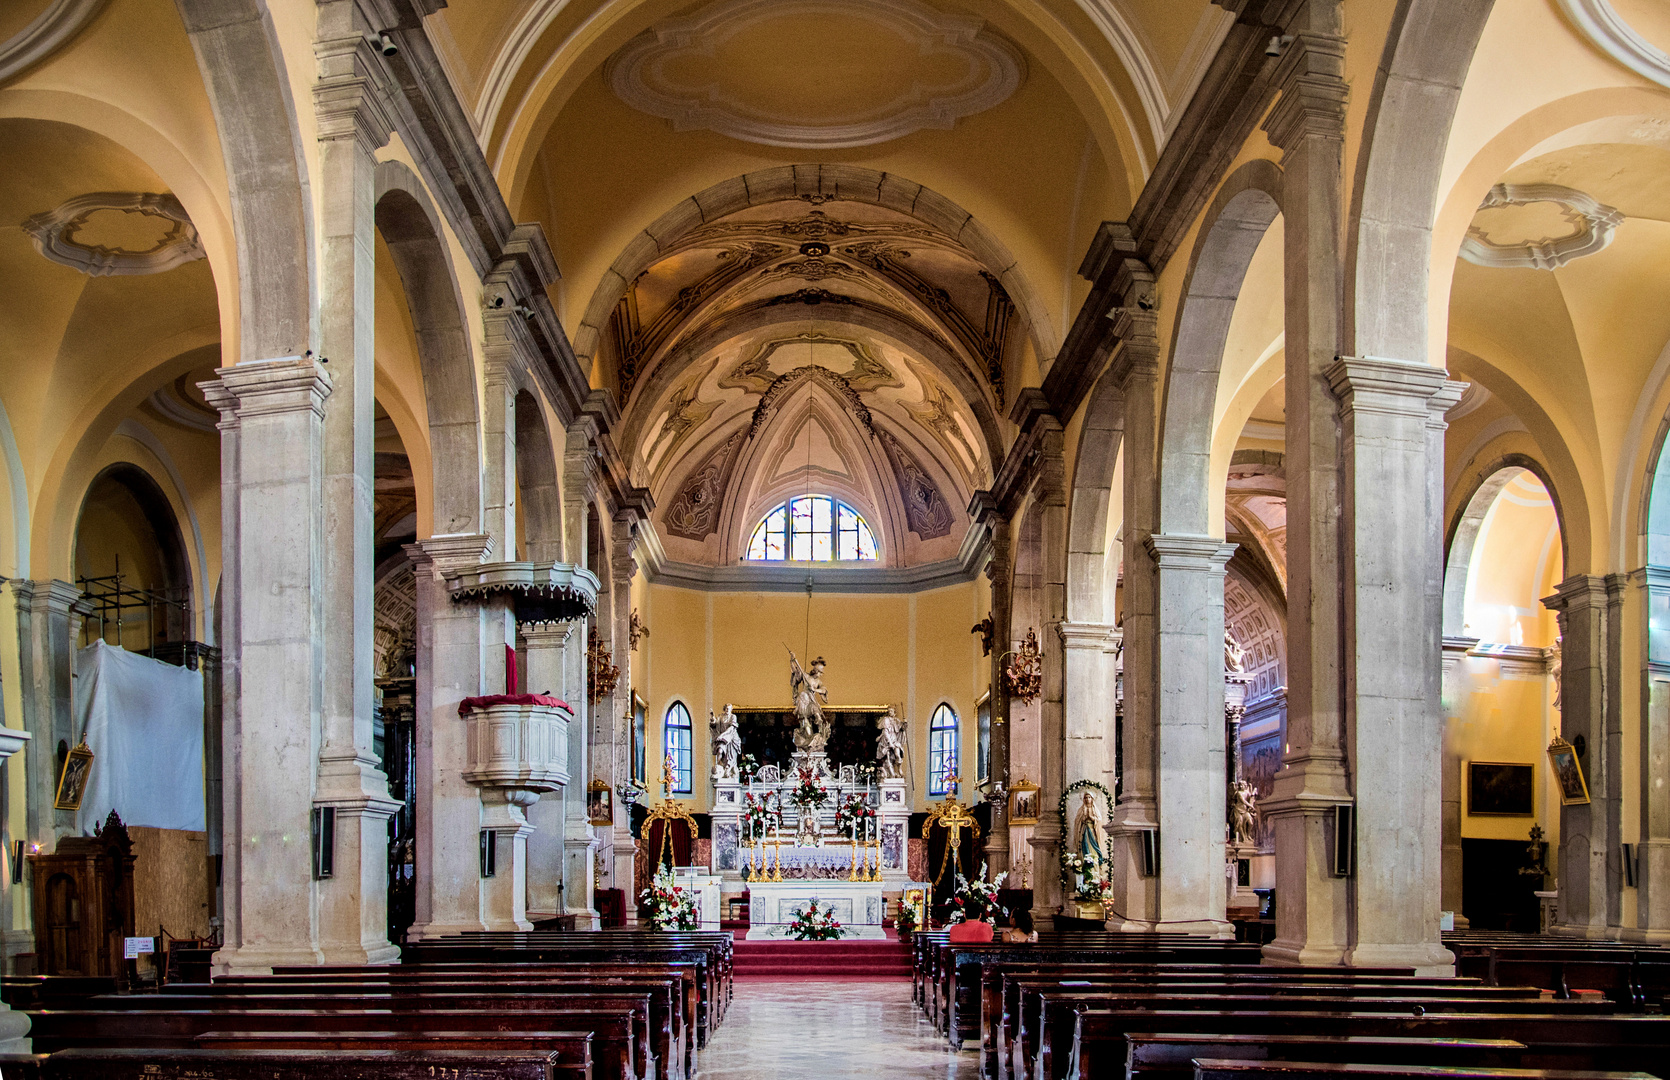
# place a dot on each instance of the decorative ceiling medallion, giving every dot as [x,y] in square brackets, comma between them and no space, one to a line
[934,69]
[1592,225]
[117,232]
[1598,21]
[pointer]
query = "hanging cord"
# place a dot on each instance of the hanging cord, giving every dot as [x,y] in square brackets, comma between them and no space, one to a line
[808,643]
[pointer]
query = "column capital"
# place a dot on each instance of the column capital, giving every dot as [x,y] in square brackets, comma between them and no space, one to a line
[1085,635]
[548,635]
[1577,593]
[271,387]
[451,552]
[346,98]
[1187,551]
[59,597]
[1390,387]
[1441,402]
[1311,75]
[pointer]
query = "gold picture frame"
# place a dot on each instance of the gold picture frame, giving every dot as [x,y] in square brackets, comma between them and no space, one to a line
[72,780]
[1023,803]
[600,803]
[1568,772]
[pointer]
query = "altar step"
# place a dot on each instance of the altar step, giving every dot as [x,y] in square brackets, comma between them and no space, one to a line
[821,959]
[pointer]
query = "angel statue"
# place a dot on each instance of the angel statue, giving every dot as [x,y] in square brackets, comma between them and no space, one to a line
[727,743]
[1235,657]
[1244,811]
[890,746]
[1087,830]
[811,732]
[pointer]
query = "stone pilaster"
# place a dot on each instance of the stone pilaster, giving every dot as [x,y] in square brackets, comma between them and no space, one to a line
[272,425]
[1308,124]
[610,725]
[1587,836]
[1455,652]
[46,654]
[1137,368]
[1000,572]
[1086,658]
[453,663]
[560,853]
[1190,730]
[1050,503]
[498,439]
[353,912]
[1652,900]
[1392,661]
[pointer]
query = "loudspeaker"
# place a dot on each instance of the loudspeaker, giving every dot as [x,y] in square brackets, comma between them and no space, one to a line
[1150,853]
[1345,841]
[17,862]
[324,841]
[489,853]
[1629,865]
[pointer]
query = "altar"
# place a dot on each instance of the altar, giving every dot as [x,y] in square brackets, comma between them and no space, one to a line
[857,905]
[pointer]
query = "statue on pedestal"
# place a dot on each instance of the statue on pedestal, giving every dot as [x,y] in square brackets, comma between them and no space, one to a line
[1244,811]
[1088,837]
[890,746]
[727,743]
[811,733]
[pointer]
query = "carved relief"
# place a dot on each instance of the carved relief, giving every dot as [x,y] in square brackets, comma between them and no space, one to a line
[936,413]
[780,389]
[867,372]
[685,413]
[116,232]
[926,510]
[694,513]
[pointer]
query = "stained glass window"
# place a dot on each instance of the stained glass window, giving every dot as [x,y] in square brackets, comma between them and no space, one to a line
[813,528]
[944,744]
[676,734]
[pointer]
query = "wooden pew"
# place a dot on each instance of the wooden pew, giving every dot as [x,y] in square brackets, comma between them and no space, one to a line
[1221,1069]
[195,1064]
[1159,1056]
[1618,1042]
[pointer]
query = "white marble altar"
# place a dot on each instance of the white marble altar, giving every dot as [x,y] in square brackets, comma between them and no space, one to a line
[706,886]
[773,904]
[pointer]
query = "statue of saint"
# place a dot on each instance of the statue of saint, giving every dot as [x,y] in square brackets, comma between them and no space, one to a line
[1087,829]
[811,732]
[1235,657]
[1244,811]
[890,746]
[727,743]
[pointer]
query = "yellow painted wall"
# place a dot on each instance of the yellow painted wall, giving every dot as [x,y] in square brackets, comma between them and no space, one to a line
[1502,712]
[909,651]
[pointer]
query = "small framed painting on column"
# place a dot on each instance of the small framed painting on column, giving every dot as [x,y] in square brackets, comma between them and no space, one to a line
[1568,772]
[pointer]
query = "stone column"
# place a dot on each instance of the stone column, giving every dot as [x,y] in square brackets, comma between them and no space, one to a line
[1049,501]
[1587,832]
[353,903]
[498,439]
[46,655]
[1308,124]
[1455,652]
[609,725]
[1089,720]
[1392,662]
[1190,729]
[272,425]
[1137,369]
[562,849]
[453,663]
[999,572]
[1652,899]
[580,839]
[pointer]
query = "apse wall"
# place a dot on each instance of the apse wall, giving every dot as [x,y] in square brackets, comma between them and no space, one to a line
[912,651]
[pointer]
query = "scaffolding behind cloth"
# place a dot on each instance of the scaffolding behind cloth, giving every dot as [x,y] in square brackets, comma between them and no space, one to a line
[143,721]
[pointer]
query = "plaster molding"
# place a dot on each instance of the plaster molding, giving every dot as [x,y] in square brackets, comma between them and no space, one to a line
[52,28]
[1593,224]
[53,233]
[1606,30]
[635,74]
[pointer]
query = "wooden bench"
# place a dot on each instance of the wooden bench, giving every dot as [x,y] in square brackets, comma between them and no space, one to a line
[1222,1069]
[92,1064]
[1159,1056]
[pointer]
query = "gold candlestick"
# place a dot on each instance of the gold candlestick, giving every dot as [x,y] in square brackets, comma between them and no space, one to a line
[777,846]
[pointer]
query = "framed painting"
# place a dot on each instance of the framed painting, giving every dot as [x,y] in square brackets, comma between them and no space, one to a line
[72,781]
[1568,772]
[1501,789]
[1023,803]
[600,804]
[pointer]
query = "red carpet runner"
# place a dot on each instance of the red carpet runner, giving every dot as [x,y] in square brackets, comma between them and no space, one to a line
[822,959]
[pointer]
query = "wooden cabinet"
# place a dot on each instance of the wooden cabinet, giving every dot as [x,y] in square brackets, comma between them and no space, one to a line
[83,896]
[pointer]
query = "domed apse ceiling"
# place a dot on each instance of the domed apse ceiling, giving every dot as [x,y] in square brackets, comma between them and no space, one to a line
[812,345]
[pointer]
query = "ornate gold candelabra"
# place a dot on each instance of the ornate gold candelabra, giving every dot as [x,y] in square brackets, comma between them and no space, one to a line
[777,846]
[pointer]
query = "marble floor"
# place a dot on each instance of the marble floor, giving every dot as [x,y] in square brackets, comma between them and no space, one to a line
[829,1029]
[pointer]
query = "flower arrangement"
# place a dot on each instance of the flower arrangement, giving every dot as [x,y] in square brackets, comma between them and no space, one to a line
[976,899]
[813,923]
[669,906]
[906,921]
[855,816]
[760,813]
[809,794]
[749,766]
[1094,882]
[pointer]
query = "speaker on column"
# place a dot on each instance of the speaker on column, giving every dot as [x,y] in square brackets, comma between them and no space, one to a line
[324,841]
[1629,865]
[1345,841]
[1150,852]
[489,853]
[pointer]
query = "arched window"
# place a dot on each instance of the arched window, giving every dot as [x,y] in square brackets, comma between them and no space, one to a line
[813,528]
[676,742]
[943,746]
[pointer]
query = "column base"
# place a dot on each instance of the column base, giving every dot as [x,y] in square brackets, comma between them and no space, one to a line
[370,956]
[1585,931]
[1297,954]
[1430,960]
[1655,936]
[585,918]
[254,960]
[431,931]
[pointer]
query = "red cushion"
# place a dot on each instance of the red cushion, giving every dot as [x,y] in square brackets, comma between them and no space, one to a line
[487,701]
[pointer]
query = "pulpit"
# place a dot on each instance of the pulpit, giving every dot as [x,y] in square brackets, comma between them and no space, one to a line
[84,902]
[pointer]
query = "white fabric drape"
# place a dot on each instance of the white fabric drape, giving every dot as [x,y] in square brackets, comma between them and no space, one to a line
[144,724]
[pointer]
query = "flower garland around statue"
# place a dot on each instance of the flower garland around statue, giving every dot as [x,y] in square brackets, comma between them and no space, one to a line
[976,899]
[1097,876]
[669,906]
[814,923]
[854,816]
